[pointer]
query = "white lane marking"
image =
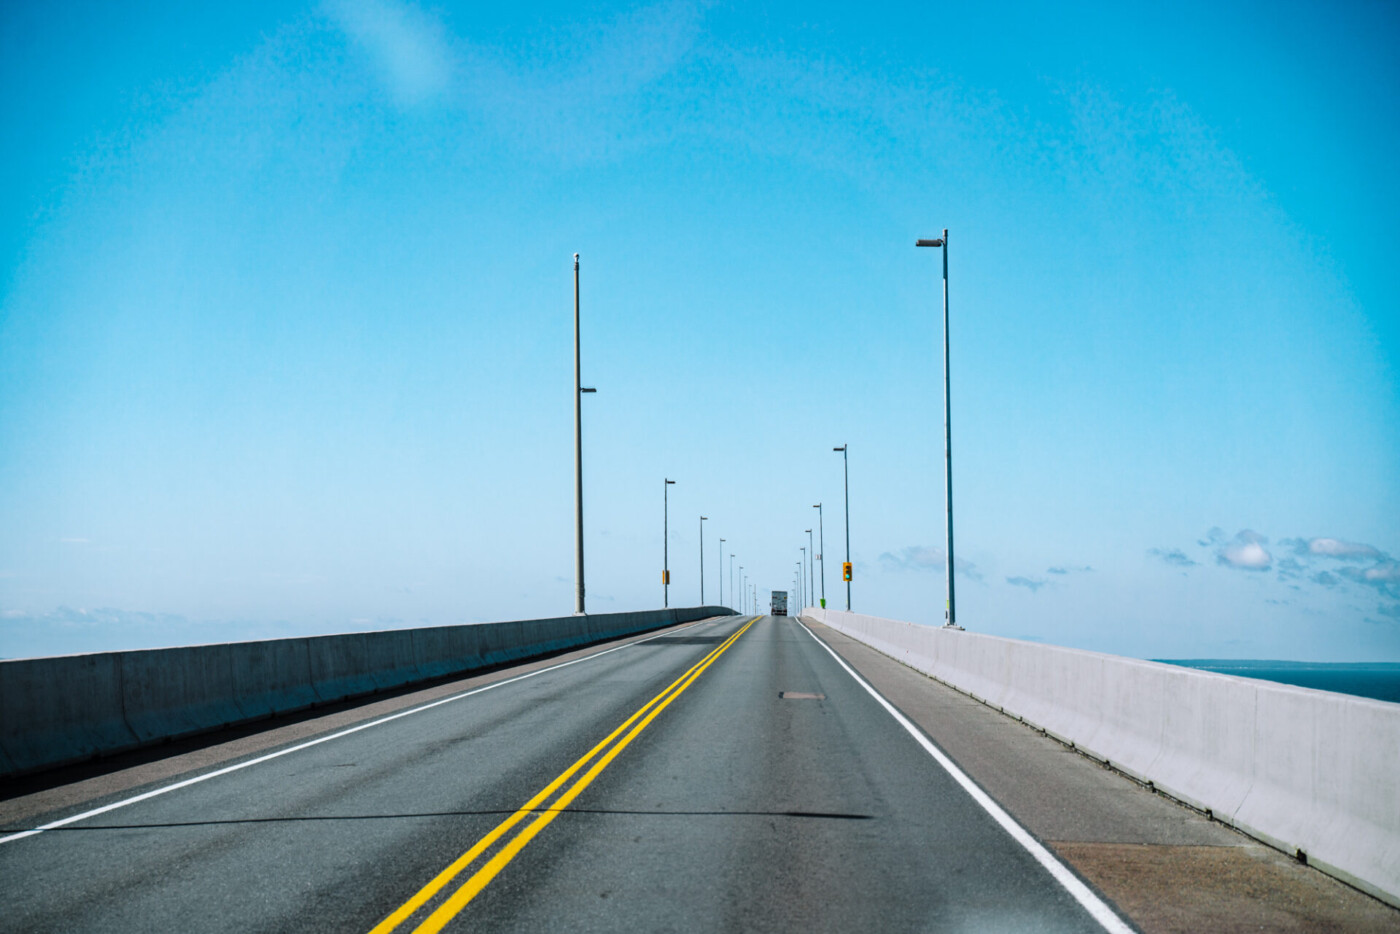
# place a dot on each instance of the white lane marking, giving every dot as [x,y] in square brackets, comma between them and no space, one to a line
[156,792]
[1096,907]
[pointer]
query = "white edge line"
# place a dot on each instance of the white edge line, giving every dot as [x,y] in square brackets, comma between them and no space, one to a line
[1096,907]
[156,792]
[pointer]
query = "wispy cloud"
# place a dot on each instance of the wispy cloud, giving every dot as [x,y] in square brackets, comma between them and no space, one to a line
[1173,556]
[408,47]
[1334,548]
[1069,570]
[1246,552]
[927,558]
[1325,579]
[1029,583]
[1214,537]
[1383,576]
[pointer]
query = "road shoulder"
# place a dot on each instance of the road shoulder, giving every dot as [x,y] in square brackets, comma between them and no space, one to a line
[1168,868]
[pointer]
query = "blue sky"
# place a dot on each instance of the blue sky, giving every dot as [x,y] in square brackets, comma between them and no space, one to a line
[285,328]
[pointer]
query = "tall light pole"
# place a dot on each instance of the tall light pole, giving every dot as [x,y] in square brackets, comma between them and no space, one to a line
[801,576]
[952,609]
[744,599]
[821,555]
[731,577]
[579,390]
[702,560]
[846,468]
[666,543]
[721,572]
[811,567]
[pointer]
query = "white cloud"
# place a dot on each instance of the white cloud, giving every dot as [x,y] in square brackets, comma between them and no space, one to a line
[1342,550]
[407,45]
[1246,552]
[1030,584]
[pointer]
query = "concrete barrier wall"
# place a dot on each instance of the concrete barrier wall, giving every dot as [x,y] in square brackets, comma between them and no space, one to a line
[70,708]
[1313,773]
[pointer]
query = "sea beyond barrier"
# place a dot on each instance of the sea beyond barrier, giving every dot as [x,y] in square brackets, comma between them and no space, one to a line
[1376,680]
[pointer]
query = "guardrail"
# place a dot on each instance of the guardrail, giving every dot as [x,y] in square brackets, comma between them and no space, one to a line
[1313,773]
[68,708]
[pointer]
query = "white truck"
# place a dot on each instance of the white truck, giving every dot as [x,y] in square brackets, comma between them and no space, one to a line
[780,603]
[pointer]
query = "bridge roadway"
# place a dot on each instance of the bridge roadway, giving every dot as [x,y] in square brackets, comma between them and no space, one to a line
[734,774]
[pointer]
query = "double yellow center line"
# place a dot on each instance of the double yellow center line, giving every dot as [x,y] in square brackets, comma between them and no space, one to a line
[604,753]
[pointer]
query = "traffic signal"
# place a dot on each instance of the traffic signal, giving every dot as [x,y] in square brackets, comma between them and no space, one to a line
[845,570]
[665,577]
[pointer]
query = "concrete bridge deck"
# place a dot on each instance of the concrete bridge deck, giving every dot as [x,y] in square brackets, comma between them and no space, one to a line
[736,809]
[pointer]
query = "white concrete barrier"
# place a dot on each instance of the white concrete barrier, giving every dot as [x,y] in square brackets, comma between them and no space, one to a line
[1314,773]
[69,708]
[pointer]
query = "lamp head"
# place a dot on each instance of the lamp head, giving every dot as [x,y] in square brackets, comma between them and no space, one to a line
[935,242]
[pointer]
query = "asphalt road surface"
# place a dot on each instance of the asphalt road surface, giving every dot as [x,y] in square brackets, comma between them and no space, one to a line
[733,775]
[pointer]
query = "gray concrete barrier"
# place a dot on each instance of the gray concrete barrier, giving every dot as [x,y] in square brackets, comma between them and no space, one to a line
[1314,773]
[69,708]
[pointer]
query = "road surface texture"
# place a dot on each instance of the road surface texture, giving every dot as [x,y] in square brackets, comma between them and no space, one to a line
[735,774]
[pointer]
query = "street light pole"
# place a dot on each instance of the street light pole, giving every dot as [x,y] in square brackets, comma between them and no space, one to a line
[579,390]
[721,572]
[846,468]
[821,540]
[666,543]
[802,576]
[811,567]
[702,560]
[731,577]
[744,598]
[952,609]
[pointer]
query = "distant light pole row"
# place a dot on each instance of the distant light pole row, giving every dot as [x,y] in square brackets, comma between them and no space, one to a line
[810,557]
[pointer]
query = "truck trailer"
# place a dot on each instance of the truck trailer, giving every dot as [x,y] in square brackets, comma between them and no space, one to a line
[780,603]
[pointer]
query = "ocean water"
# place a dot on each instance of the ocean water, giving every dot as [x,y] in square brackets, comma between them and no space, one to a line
[1376,680]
